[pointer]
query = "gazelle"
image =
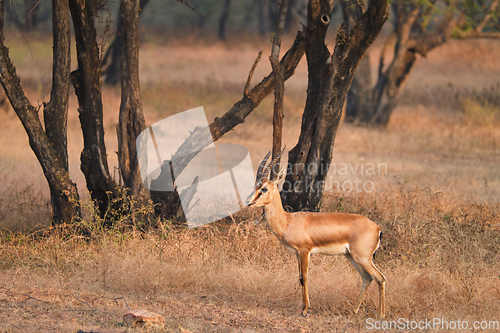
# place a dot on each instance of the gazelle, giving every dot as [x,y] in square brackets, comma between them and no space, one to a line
[304,233]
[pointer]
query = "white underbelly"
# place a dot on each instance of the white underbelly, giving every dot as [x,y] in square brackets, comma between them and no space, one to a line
[332,249]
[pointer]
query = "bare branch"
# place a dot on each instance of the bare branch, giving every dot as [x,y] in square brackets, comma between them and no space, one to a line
[79,300]
[188,5]
[278,32]
[250,75]
[34,298]
[279,84]
[237,114]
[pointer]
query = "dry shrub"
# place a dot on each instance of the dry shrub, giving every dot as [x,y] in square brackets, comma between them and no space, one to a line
[440,258]
[24,210]
[483,114]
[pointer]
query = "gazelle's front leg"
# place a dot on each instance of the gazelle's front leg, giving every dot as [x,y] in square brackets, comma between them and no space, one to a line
[303,257]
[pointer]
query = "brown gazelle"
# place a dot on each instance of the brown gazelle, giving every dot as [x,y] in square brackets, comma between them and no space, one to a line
[305,233]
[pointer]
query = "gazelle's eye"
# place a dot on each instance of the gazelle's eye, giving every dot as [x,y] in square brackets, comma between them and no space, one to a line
[263,190]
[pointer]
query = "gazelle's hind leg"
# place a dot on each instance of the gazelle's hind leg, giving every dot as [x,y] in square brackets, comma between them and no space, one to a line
[369,268]
[365,276]
[380,278]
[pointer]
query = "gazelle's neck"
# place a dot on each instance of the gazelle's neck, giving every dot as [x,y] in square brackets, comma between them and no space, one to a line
[276,216]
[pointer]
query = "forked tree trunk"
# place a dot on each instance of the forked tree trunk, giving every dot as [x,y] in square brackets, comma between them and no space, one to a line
[131,120]
[87,82]
[373,105]
[49,146]
[330,77]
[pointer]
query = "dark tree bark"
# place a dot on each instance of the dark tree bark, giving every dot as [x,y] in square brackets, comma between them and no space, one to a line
[87,83]
[111,60]
[49,146]
[55,112]
[330,77]
[131,120]
[167,204]
[223,20]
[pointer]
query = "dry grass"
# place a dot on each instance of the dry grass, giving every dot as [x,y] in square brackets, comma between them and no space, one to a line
[438,207]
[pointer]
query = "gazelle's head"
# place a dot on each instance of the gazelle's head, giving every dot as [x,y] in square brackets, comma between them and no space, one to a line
[266,189]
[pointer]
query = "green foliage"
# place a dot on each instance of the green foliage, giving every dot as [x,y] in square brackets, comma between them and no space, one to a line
[123,213]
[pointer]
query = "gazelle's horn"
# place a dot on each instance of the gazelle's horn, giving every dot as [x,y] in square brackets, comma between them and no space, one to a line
[268,168]
[262,165]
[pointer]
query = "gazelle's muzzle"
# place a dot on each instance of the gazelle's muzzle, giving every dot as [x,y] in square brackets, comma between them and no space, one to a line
[251,199]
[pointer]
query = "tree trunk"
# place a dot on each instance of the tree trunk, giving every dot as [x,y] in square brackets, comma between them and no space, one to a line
[131,120]
[55,112]
[51,153]
[87,83]
[330,77]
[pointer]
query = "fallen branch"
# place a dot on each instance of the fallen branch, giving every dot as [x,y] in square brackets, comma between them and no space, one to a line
[34,298]
[79,300]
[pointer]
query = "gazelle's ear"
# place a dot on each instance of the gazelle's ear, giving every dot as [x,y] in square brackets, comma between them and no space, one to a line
[281,175]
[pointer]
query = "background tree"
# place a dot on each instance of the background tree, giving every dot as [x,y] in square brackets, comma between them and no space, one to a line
[418,29]
[30,14]
[224,16]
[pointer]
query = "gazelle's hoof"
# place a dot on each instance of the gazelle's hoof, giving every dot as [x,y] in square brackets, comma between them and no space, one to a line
[304,313]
